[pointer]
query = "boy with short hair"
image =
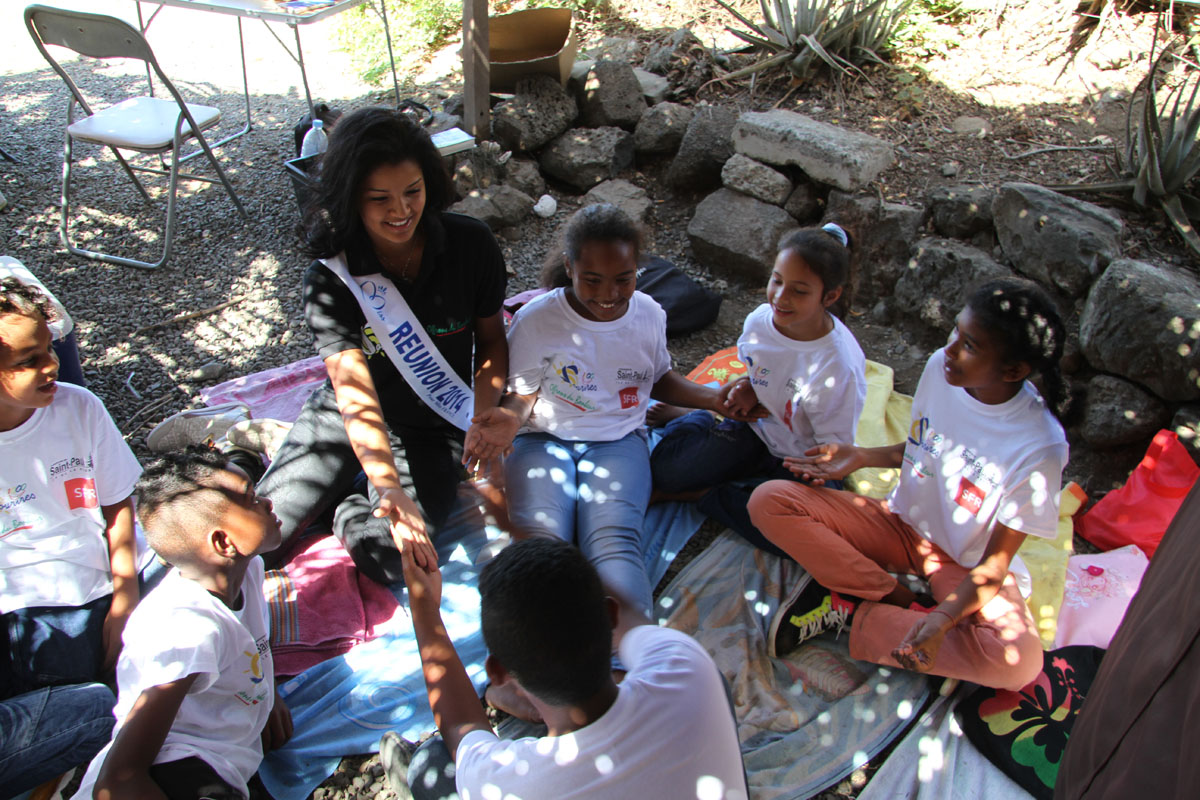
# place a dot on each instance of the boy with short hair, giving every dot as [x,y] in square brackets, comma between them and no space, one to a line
[196,705]
[667,731]
[68,551]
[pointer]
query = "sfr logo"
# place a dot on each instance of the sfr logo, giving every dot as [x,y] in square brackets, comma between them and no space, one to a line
[81,493]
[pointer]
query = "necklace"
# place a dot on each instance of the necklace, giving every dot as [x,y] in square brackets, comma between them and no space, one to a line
[391,266]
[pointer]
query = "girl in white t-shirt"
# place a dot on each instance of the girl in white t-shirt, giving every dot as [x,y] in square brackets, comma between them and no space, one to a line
[980,471]
[805,371]
[584,361]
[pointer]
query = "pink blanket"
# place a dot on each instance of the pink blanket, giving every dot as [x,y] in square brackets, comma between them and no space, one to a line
[320,607]
[277,393]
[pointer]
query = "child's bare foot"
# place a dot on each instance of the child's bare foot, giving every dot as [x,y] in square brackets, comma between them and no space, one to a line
[511,701]
[660,414]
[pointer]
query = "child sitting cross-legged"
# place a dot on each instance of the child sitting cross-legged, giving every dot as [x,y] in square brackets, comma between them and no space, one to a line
[666,731]
[196,705]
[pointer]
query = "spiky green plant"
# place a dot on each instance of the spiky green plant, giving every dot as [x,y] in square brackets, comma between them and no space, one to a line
[839,33]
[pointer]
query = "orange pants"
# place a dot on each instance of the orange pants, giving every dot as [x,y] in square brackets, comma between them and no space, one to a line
[851,544]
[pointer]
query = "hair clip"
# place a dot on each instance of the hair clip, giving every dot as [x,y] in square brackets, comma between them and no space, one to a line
[837,232]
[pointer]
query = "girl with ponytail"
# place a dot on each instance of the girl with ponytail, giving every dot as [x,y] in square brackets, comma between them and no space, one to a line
[981,470]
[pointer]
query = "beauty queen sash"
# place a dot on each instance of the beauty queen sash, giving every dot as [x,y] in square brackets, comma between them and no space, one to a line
[408,345]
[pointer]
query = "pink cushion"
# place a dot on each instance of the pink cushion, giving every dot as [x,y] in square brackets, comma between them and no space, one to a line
[1098,590]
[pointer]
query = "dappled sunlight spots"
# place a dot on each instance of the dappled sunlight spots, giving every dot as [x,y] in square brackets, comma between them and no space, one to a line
[932,760]
[604,764]
[709,787]
[904,710]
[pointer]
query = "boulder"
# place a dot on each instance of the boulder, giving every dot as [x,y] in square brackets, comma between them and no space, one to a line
[583,157]
[539,110]
[939,276]
[704,149]
[612,96]
[631,199]
[477,168]
[1118,412]
[805,202]
[654,87]
[661,128]
[827,153]
[737,236]
[748,176]
[1055,239]
[499,206]
[960,212]
[882,239]
[683,60]
[1186,424]
[1142,321]
[525,175]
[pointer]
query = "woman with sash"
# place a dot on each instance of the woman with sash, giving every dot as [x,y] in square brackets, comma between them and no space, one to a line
[404,303]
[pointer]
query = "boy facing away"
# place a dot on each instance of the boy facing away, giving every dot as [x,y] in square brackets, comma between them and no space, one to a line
[667,731]
[196,705]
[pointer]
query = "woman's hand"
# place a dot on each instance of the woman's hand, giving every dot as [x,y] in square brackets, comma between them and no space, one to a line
[825,462]
[424,585]
[407,524]
[919,648]
[490,437]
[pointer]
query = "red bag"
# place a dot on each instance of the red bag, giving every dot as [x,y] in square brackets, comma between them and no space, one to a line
[1140,511]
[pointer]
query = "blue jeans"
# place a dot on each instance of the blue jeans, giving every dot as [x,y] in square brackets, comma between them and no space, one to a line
[592,494]
[726,457]
[58,645]
[431,772]
[47,732]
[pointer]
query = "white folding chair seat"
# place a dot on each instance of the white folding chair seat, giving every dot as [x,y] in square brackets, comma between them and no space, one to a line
[151,125]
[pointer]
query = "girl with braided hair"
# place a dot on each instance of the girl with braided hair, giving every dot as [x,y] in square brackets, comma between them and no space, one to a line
[981,470]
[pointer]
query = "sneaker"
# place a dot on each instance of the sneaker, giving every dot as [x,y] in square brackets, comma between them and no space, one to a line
[814,611]
[195,426]
[260,435]
[395,754]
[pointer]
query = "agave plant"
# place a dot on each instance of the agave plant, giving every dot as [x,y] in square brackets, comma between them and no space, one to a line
[839,33]
[1162,154]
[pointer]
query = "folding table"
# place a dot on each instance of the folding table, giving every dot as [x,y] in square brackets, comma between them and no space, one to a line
[269,11]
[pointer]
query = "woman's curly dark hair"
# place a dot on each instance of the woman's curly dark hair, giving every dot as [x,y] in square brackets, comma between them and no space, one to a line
[360,143]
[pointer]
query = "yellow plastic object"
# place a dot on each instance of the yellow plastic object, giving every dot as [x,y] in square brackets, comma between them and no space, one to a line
[884,420]
[1046,560]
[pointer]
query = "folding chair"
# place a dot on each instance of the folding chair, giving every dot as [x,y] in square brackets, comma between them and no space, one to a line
[152,125]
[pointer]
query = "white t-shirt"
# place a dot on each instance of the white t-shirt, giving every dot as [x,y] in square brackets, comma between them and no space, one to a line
[969,465]
[593,379]
[56,470]
[178,630]
[814,390]
[669,735]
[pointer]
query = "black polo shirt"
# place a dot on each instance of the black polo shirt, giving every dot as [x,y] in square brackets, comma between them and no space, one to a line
[462,277]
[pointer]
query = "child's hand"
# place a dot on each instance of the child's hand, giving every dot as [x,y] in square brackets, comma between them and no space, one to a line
[114,626]
[408,527]
[825,462]
[920,645]
[424,583]
[739,402]
[278,730]
[490,436]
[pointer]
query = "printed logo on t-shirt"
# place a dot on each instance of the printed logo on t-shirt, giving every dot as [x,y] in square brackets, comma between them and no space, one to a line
[631,375]
[258,665]
[920,440]
[788,411]
[81,493]
[629,397]
[370,342]
[571,385]
[758,376]
[970,496]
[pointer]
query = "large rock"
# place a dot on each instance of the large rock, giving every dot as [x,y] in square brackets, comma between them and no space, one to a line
[612,96]
[539,110]
[683,60]
[705,148]
[1119,412]
[805,202]
[882,239]
[960,212]
[631,199]
[583,157]
[1186,424]
[737,236]
[654,87]
[827,153]
[477,169]
[940,274]
[1142,322]
[748,176]
[499,206]
[661,129]
[1054,238]
[525,174]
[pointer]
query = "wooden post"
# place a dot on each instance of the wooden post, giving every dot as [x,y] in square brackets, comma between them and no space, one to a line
[476,74]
